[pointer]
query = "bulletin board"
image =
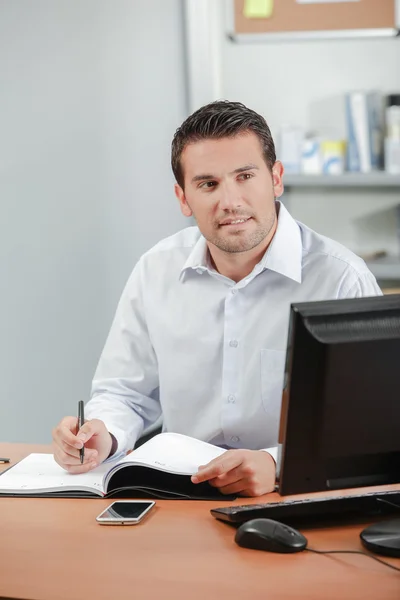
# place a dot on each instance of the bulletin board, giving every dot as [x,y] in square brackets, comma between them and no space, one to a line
[318,18]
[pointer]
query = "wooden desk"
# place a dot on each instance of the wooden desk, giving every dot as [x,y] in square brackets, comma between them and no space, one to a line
[53,549]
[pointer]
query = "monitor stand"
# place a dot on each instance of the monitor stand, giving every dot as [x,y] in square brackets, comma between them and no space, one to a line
[383,538]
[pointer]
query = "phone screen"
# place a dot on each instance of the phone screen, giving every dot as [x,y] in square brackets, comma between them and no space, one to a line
[125,510]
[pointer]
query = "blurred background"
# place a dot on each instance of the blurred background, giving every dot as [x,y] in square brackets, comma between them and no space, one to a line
[91,93]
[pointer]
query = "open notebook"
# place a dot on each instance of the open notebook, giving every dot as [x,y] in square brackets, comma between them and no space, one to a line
[160,468]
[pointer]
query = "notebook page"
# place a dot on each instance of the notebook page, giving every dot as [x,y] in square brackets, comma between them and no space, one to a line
[174,452]
[40,473]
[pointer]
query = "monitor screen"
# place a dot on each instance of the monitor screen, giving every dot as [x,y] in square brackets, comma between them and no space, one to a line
[340,416]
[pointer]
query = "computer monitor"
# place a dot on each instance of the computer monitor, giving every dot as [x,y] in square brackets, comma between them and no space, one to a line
[340,416]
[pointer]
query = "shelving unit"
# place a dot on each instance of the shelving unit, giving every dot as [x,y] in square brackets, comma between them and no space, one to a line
[360,180]
[387,268]
[384,269]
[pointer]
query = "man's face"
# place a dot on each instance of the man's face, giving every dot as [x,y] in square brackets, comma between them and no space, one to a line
[230,191]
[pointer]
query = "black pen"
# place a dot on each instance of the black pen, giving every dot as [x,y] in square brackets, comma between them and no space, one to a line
[4,460]
[81,420]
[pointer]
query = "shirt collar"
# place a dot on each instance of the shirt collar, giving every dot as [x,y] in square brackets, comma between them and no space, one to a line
[198,258]
[284,254]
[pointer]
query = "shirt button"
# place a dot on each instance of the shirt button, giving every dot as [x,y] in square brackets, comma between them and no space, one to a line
[199,271]
[234,343]
[233,290]
[235,439]
[231,399]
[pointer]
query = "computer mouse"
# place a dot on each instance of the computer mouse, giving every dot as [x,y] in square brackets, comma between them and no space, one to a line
[269,535]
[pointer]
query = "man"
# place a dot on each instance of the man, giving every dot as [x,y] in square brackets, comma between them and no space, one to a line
[200,332]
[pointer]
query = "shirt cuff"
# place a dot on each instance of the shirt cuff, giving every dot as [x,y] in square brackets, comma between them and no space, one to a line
[272,451]
[114,445]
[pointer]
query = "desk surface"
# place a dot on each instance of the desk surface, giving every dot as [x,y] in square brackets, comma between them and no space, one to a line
[53,549]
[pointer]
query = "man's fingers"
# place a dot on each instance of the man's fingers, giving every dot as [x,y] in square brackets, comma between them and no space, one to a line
[74,452]
[244,472]
[64,433]
[89,429]
[218,466]
[239,487]
[85,468]
[228,478]
[68,463]
[66,460]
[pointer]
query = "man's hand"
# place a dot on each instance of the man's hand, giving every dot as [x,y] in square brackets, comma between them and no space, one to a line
[67,442]
[244,472]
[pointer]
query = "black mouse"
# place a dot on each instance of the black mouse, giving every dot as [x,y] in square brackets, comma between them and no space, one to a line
[269,535]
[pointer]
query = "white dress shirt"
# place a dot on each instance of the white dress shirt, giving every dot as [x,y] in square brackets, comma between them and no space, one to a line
[208,353]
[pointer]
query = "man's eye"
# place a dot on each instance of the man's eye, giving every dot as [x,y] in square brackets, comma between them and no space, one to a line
[244,176]
[208,184]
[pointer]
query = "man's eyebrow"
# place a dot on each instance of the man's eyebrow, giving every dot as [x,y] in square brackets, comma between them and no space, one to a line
[248,167]
[208,177]
[203,178]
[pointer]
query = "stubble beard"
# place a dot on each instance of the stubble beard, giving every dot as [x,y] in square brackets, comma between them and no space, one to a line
[240,240]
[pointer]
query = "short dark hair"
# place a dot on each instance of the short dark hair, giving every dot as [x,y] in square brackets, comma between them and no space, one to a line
[217,120]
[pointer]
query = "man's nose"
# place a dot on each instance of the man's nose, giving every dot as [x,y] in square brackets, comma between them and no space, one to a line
[229,198]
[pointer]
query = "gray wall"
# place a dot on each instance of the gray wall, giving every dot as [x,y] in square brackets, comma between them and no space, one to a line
[91,92]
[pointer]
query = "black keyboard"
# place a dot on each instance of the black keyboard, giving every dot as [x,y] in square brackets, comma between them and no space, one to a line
[315,510]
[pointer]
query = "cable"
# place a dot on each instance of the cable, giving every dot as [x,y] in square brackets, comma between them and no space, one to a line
[354,552]
[360,551]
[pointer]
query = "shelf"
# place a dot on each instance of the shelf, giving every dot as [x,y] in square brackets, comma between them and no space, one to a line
[385,268]
[296,36]
[375,179]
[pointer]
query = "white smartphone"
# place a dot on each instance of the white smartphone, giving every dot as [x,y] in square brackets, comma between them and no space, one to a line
[125,512]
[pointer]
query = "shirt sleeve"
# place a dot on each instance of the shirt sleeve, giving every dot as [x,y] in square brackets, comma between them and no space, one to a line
[125,388]
[364,284]
[355,285]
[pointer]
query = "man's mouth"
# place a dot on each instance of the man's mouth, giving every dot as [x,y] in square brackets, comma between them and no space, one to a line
[230,222]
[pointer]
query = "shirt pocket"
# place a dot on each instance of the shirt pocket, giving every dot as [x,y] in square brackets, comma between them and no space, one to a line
[272,377]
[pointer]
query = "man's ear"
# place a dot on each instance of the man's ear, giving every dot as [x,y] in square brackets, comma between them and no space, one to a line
[180,194]
[277,178]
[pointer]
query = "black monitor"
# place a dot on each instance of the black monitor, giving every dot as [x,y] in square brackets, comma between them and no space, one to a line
[340,416]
